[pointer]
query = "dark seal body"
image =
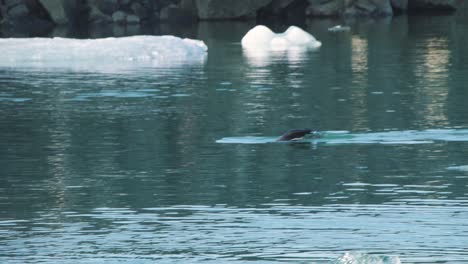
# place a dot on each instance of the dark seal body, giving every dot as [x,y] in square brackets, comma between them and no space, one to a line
[295,134]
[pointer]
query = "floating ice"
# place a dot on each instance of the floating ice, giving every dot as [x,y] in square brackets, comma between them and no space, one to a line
[261,37]
[261,46]
[109,52]
[339,28]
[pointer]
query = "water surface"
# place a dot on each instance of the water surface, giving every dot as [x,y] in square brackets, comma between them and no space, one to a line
[124,166]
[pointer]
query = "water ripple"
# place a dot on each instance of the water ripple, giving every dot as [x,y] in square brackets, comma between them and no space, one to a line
[197,234]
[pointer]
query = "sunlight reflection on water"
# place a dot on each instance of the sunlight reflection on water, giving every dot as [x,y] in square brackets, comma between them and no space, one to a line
[203,233]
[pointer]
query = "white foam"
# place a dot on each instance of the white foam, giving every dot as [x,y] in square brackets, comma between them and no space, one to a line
[124,51]
[363,258]
[407,137]
[261,37]
[246,140]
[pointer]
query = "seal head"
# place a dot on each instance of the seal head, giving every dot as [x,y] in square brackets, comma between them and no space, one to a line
[295,134]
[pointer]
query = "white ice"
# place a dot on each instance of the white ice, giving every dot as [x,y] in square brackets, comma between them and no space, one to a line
[339,28]
[261,46]
[261,37]
[132,51]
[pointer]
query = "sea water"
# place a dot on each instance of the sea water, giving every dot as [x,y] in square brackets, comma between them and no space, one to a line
[122,165]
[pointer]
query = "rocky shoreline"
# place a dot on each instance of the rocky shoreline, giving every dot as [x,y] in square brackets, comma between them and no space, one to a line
[46,14]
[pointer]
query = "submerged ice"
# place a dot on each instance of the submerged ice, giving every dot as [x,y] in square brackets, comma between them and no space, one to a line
[135,50]
[261,37]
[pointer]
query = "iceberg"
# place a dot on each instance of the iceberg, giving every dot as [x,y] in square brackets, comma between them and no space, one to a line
[261,46]
[261,37]
[111,52]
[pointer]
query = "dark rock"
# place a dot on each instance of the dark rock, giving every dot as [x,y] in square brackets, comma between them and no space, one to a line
[18,11]
[350,8]
[278,6]
[95,16]
[122,12]
[290,10]
[187,4]
[125,2]
[107,7]
[23,18]
[156,15]
[325,8]
[164,14]
[119,17]
[399,5]
[369,8]
[2,16]
[440,5]
[26,26]
[173,13]
[11,3]
[56,10]
[133,19]
[139,10]
[119,30]
[229,9]
[60,12]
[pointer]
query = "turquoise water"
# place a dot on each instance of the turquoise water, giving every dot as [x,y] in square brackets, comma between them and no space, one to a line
[131,164]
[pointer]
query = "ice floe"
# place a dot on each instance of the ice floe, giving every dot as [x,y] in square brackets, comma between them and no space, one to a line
[84,53]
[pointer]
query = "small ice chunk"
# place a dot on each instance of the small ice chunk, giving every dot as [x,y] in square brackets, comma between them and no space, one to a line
[261,37]
[339,28]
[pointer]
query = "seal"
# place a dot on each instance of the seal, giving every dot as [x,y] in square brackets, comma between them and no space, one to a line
[295,134]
